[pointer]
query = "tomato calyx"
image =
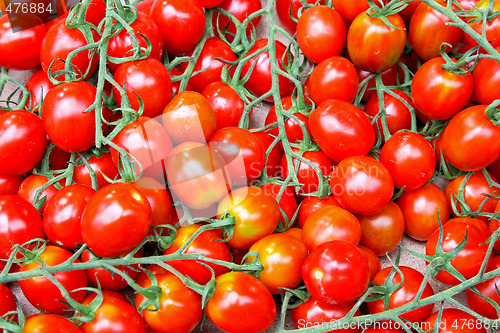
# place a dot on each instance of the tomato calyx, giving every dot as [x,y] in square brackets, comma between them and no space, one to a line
[391,8]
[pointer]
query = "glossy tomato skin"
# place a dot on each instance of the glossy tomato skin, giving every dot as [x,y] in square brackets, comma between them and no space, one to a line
[63,214]
[38,86]
[7,302]
[282,257]
[362,185]
[208,61]
[313,312]
[468,261]
[373,261]
[240,9]
[410,159]
[350,9]
[146,140]
[181,23]
[207,243]
[226,103]
[121,45]
[260,81]
[118,209]
[242,152]
[374,46]
[333,78]
[383,231]
[287,202]
[466,151]
[209,3]
[20,223]
[422,209]
[390,77]
[179,305]
[428,31]
[230,313]
[492,27]
[256,213]
[311,204]
[10,183]
[321,33]
[103,278]
[293,128]
[102,165]
[330,223]
[41,293]
[30,185]
[494,168]
[440,94]
[58,43]
[335,141]
[22,142]
[285,8]
[336,272]
[486,80]
[397,113]
[454,321]
[114,315]
[20,49]
[49,323]
[404,294]
[159,201]
[274,156]
[488,289]
[189,117]
[306,175]
[148,80]
[64,118]
[208,177]
[475,192]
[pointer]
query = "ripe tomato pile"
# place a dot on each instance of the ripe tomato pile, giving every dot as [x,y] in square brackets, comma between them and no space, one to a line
[163,163]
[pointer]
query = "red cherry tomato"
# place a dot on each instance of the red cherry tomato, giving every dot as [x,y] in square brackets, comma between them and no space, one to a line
[488,289]
[486,80]
[209,3]
[311,204]
[159,201]
[335,141]
[38,86]
[30,185]
[350,9]
[287,202]
[454,321]
[293,128]
[7,303]
[492,27]
[101,166]
[236,295]
[391,77]
[9,184]
[373,261]
[273,159]
[49,323]
[285,8]
[226,103]
[240,9]
[42,293]
[362,185]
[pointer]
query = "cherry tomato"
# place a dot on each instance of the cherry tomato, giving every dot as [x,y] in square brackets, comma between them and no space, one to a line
[146,79]
[423,208]
[404,294]
[256,213]
[287,202]
[159,201]
[196,174]
[285,8]
[440,94]
[330,223]
[121,45]
[491,29]
[181,23]
[311,204]
[333,78]
[120,210]
[468,261]
[207,243]
[475,192]
[383,231]
[38,86]
[282,257]
[362,185]
[20,45]
[42,293]
[30,185]
[209,3]
[488,289]
[144,6]
[273,160]
[428,31]
[22,142]
[242,152]
[454,321]
[294,232]
[391,77]
[189,117]
[240,9]
[176,85]
[494,168]
[410,159]
[486,80]
[101,166]
[64,118]
[94,14]
[306,175]
[336,272]
[321,33]
[211,61]
[397,113]
[293,127]
[58,43]
[335,141]
[350,9]
[9,184]
[260,81]
[20,222]
[373,261]
[114,315]
[236,295]
[313,312]
[8,303]
[226,103]
[49,323]
[179,306]
[373,45]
